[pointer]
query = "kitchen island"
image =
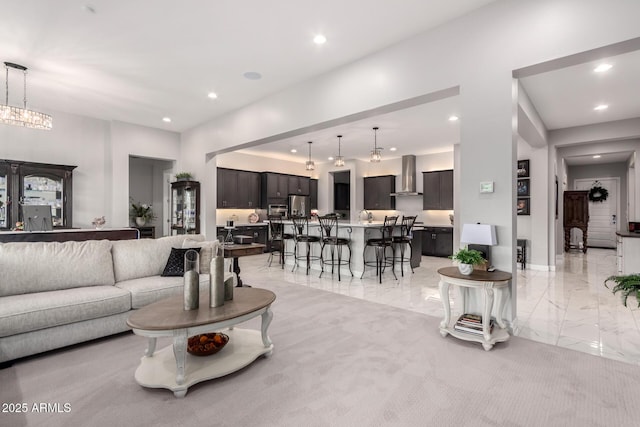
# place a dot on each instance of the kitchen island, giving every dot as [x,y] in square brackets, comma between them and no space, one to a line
[358,232]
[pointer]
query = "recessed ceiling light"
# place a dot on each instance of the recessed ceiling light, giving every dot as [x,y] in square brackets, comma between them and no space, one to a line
[597,156]
[602,68]
[392,149]
[293,150]
[319,39]
[166,119]
[601,107]
[252,75]
[453,118]
[329,158]
[212,95]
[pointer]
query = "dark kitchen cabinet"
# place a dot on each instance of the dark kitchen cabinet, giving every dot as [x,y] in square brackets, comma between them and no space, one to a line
[238,189]
[313,193]
[298,185]
[274,189]
[437,241]
[377,192]
[27,183]
[437,190]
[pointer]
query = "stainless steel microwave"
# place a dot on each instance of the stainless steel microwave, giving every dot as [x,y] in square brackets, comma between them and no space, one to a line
[278,210]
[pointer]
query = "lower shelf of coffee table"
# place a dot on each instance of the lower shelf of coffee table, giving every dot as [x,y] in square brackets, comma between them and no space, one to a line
[159,370]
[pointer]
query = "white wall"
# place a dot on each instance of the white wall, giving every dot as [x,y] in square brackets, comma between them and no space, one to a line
[100,150]
[473,53]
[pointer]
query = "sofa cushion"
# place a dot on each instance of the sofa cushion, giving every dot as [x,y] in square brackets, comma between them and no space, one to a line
[176,261]
[28,267]
[133,259]
[146,290]
[25,313]
[207,250]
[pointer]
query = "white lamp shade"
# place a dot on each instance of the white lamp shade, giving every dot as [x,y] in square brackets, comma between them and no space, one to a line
[479,234]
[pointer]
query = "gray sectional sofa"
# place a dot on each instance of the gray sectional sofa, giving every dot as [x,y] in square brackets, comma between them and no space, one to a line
[56,294]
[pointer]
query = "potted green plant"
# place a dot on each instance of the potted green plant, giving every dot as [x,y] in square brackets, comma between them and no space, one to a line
[184,176]
[628,284]
[467,258]
[141,213]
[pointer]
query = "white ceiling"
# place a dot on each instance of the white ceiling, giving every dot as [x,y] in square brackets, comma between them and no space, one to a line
[138,61]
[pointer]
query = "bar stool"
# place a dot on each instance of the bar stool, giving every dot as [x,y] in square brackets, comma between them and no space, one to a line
[301,235]
[328,224]
[278,238]
[402,240]
[380,245]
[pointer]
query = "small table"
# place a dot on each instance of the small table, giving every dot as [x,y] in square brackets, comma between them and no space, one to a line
[236,251]
[167,318]
[478,279]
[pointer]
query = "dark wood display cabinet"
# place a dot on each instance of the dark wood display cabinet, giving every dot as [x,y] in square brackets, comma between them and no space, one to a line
[437,241]
[576,215]
[185,207]
[437,190]
[28,183]
[377,192]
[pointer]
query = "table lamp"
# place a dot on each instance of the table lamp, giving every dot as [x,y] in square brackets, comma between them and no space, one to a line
[480,237]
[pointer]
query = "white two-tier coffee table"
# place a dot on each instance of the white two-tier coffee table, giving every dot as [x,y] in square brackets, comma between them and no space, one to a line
[172,367]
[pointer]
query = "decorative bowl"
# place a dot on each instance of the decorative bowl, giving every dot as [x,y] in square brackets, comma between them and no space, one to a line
[206,344]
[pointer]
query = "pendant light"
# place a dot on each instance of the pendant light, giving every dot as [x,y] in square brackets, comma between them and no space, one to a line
[339,159]
[376,153]
[21,116]
[310,165]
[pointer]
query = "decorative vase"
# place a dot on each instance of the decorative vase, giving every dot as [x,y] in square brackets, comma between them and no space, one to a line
[140,221]
[191,280]
[216,280]
[465,269]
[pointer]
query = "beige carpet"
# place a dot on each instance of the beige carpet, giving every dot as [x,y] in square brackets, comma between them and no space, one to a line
[338,361]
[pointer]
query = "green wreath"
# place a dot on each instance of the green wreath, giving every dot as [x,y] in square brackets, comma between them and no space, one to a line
[598,193]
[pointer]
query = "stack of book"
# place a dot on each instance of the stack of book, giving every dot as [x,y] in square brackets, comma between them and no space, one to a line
[471,323]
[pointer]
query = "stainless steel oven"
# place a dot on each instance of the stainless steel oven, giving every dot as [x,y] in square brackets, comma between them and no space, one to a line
[278,210]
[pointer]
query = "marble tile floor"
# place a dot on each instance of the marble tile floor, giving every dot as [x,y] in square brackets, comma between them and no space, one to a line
[569,308]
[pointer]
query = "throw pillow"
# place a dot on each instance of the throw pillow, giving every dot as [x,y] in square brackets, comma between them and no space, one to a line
[175,263]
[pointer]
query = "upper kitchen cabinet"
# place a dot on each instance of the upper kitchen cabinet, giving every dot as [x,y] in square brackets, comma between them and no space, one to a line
[298,185]
[274,188]
[437,191]
[377,192]
[238,189]
[27,183]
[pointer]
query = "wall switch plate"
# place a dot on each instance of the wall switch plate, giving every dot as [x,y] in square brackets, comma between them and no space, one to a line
[486,187]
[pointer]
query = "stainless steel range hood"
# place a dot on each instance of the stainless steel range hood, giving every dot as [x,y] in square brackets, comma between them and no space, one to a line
[408,183]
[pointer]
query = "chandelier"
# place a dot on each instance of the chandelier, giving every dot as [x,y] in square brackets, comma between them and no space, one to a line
[376,153]
[310,165]
[21,116]
[339,159]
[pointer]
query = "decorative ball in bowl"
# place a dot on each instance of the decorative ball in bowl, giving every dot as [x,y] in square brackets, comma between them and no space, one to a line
[206,344]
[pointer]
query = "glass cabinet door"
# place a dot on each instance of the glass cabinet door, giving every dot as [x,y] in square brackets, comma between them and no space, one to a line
[45,190]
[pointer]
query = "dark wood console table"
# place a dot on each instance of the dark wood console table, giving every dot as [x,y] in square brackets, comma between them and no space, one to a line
[64,235]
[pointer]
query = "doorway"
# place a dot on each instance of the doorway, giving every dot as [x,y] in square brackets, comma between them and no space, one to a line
[342,193]
[604,215]
[147,185]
